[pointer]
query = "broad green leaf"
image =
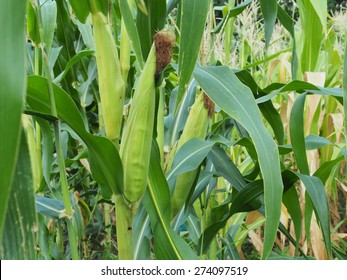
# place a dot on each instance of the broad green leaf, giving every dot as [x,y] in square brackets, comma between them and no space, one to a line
[49,18]
[237,100]
[150,23]
[12,93]
[300,87]
[189,157]
[132,31]
[230,249]
[313,29]
[193,13]
[269,11]
[288,24]
[291,201]
[291,86]
[65,35]
[201,185]
[246,200]
[233,12]
[141,235]
[80,8]
[168,245]
[76,58]
[194,228]
[315,142]
[324,171]
[296,127]
[50,207]
[316,191]
[19,231]
[286,20]
[104,159]
[175,122]
[267,108]
[226,168]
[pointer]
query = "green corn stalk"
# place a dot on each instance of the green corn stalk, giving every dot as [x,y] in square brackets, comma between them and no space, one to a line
[72,231]
[196,127]
[111,83]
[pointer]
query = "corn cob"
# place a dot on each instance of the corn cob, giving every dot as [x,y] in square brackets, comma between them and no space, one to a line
[137,138]
[111,84]
[196,127]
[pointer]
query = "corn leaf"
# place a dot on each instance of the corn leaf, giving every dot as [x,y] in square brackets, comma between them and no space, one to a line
[80,8]
[324,171]
[267,109]
[233,12]
[19,232]
[291,201]
[312,14]
[193,13]
[237,100]
[269,10]
[132,31]
[50,207]
[104,158]
[148,24]
[141,235]
[168,245]
[12,93]
[49,18]
[316,191]
[296,127]
[246,200]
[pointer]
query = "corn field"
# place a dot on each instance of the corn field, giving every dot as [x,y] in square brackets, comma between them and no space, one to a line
[172,130]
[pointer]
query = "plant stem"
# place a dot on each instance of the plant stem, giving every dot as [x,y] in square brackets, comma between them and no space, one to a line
[73,239]
[108,229]
[124,218]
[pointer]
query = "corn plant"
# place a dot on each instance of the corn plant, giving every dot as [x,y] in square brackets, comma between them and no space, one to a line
[172,130]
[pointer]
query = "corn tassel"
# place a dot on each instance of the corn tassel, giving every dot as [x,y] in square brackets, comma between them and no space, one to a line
[196,127]
[137,138]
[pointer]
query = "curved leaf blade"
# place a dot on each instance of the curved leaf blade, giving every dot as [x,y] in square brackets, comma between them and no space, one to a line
[316,191]
[193,13]
[50,207]
[12,93]
[233,97]
[168,244]
[296,127]
[19,237]
[105,162]
[269,10]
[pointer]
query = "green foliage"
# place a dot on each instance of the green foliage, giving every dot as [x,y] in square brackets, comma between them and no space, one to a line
[246,150]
